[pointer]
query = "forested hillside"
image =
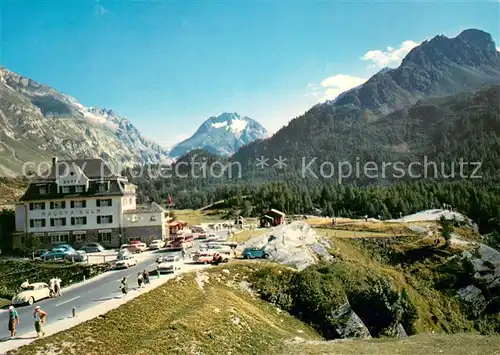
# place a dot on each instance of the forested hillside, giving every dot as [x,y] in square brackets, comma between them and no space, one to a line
[445,130]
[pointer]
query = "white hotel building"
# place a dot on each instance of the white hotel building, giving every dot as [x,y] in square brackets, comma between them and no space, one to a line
[83,201]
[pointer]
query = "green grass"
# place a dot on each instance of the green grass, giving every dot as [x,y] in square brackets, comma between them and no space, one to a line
[180,318]
[196,217]
[245,235]
[339,233]
[456,344]
[223,318]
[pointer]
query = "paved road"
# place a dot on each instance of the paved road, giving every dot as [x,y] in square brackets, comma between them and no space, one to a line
[82,297]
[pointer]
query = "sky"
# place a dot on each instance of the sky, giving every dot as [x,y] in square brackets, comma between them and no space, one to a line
[169,65]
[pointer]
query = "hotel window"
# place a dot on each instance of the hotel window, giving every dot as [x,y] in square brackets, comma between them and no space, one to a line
[79,188]
[104,219]
[37,223]
[59,238]
[79,204]
[37,206]
[104,203]
[66,189]
[76,221]
[42,190]
[79,237]
[104,237]
[57,222]
[57,205]
[102,186]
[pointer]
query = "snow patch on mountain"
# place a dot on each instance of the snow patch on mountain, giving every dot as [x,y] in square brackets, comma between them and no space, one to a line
[222,135]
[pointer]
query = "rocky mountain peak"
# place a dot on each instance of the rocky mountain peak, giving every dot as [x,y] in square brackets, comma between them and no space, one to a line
[221,135]
[438,67]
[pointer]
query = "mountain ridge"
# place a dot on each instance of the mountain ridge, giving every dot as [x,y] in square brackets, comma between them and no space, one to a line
[37,122]
[221,135]
[436,67]
[343,130]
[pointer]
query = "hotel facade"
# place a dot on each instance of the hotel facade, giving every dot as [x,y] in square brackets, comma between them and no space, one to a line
[82,201]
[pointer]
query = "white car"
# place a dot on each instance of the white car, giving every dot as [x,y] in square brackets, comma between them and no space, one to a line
[170,263]
[156,244]
[32,293]
[216,247]
[212,237]
[125,261]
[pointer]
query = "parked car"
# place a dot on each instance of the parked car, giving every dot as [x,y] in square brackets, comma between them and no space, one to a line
[123,252]
[183,241]
[216,247]
[90,249]
[156,244]
[57,253]
[254,253]
[207,256]
[78,256]
[212,237]
[65,247]
[125,261]
[137,247]
[204,256]
[32,293]
[170,263]
[98,246]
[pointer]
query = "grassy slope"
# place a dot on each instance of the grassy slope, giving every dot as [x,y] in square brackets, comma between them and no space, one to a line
[180,318]
[195,217]
[456,344]
[244,235]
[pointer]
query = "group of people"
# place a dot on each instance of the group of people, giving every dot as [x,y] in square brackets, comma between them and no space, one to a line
[39,317]
[142,279]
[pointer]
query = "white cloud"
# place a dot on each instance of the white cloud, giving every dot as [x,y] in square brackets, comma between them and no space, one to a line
[498,49]
[391,57]
[333,86]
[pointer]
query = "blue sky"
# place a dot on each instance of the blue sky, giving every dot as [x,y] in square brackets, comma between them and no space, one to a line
[169,65]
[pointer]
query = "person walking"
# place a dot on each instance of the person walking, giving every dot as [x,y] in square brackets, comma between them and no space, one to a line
[140,279]
[57,284]
[183,253]
[52,285]
[124,286]
[40,317]
[145,275]
[13,321]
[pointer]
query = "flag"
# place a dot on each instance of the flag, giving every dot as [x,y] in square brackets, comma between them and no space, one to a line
[170,200]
